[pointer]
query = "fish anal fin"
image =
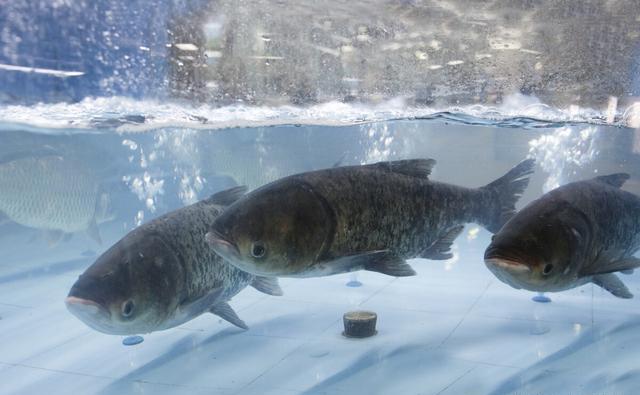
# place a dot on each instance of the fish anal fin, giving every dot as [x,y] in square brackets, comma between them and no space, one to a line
[93,231]
[224,311]
[267,285]
[228,196]
[420,168]
[381,261]
[386,262]
[613,284]
[616,180]
[441,249]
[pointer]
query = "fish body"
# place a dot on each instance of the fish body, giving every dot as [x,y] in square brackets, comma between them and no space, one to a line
[578,233]
[370,217]
[163,274]
[53,194]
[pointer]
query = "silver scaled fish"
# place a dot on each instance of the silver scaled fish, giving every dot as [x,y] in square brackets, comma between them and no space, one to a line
[53,194]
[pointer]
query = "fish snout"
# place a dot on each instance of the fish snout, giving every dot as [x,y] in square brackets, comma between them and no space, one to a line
[87,310]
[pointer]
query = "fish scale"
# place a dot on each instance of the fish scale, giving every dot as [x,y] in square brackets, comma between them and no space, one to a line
[410,223]
[184,230]
[48,193]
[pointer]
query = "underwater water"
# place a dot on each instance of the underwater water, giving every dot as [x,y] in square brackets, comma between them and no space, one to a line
[453,328]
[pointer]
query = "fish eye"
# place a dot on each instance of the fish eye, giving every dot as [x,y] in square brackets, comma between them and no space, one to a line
[258,249]
[127,308]
[546,270]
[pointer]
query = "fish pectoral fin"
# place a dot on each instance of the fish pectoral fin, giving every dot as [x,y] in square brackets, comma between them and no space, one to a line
[53,237]
[616,180]
[193,308]
[93,231]
[620,265]
[340,161]
[420,168]
[267,285]
[224,311]
[613,284]
[228,196]
[441,249]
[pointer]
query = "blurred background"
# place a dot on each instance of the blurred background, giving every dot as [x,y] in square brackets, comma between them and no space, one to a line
[581,53]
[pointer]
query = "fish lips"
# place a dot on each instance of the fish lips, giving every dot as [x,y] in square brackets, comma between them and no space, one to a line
[222,246]
[507,264]
[496,257]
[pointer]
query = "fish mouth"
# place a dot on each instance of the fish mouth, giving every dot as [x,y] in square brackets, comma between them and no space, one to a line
[222,246]
[91,313]
[507,264]
[505,259]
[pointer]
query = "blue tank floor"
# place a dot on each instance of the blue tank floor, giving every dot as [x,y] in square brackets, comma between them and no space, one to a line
[452,329]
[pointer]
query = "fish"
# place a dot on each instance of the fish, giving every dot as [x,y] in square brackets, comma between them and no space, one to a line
[163,274]
[368,217]
[54,194]
[579,233]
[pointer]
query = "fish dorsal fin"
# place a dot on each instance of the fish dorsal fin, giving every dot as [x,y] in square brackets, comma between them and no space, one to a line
[44,152]
[228,196]
[615,180]
[420,168]
[224,311]
[267,285]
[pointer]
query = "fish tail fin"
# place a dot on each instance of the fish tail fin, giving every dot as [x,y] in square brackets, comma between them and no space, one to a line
[505,191]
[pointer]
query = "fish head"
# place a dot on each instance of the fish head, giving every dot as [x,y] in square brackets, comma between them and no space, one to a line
[131,289]
[539,247]
[277,230]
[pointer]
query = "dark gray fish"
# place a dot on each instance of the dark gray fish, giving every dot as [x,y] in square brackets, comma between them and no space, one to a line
[163,274]
[370,217]
[578,233]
